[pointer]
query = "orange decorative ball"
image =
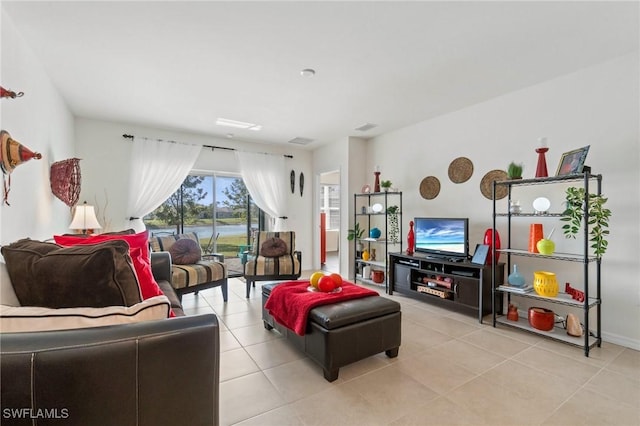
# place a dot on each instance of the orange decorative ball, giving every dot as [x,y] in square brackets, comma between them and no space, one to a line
[337,278]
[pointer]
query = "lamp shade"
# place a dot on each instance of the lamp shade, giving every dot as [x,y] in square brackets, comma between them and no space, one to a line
[84,218]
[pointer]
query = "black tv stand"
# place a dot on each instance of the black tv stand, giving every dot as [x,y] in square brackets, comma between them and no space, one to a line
[455,283]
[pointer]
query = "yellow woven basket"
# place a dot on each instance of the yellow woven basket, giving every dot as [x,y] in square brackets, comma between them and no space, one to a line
[545,283]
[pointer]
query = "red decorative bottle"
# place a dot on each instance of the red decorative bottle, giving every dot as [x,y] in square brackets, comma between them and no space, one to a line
[411,239]
[488,240]
[376,184]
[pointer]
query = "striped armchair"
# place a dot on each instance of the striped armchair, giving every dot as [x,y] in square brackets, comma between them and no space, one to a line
[208,272]
[273,257]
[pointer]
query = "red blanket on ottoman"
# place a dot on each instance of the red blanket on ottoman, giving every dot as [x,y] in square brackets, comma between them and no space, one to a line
[289,303]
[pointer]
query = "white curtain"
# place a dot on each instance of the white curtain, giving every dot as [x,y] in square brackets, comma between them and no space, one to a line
[265,178]
[158,168]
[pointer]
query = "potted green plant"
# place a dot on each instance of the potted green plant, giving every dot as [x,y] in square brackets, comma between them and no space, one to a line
[598,218]
[386,185]
[356,234]
[514,171]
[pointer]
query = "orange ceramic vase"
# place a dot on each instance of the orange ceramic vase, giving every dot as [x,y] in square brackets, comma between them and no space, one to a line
[535,235]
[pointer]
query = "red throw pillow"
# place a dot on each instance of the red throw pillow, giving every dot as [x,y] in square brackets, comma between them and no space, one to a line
[148,285]
[138,250]
[140,240]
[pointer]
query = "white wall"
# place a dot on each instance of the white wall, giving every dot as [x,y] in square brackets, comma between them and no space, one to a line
[105,165]
[597,106]
[41,121]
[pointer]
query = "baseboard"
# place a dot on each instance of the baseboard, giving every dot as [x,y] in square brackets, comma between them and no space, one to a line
[621,340]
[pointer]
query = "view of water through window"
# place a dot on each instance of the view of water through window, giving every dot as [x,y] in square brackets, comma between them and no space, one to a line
[216,207]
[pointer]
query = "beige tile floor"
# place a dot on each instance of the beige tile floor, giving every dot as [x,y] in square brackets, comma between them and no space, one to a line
[451,370]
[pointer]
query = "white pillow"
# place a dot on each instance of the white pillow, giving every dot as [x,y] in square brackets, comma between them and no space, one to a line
[32,318]
[7,293]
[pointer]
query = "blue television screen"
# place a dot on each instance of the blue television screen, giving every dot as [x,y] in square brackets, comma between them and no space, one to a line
[446,237]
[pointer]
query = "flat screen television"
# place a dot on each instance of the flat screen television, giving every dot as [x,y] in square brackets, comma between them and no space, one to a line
[442,237]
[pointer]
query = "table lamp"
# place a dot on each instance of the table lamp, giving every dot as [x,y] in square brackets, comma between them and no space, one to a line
[84,219]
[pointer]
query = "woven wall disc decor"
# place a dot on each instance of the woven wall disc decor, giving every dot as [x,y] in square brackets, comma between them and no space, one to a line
[460,170]
[429,187]
[486,184]
[65,180]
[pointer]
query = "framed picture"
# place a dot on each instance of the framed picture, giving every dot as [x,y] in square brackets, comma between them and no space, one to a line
[480,255]
[571,162]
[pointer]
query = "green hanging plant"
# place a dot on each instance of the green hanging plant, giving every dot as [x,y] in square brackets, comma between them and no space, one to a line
[392,215]
[598,218]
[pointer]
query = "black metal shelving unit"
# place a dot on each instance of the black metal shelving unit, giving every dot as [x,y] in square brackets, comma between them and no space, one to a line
[591,337]
[368,219]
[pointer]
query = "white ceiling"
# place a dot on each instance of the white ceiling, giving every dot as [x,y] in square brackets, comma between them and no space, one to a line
[180,65]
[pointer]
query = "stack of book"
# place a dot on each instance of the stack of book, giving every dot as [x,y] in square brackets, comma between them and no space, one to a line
[513,289]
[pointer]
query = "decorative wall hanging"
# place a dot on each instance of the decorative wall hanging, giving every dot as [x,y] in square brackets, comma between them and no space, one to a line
[301,183]
[486,184]
[12,154]
[65,180]
[430,187]
[460,170]
[4,93]
[293,181]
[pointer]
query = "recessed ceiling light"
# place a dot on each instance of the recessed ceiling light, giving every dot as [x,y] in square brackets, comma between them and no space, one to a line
[308,72]
[366,126]
[237,124]
[301,141]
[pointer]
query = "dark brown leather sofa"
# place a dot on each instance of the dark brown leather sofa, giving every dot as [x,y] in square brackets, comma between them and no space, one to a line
[152,373]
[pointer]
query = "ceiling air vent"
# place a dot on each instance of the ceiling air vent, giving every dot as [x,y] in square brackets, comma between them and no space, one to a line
[366,126]
[301,141]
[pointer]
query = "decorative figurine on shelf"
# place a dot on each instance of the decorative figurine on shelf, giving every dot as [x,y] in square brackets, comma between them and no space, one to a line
[512,313]
[514,207]
[411,239]
[376,185]
[488,240]
[541,169]
[574,328]
[575,294]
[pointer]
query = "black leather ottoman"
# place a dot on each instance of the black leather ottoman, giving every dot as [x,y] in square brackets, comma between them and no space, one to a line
[343,332]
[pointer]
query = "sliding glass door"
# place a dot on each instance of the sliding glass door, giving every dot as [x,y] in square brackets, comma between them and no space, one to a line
[216,207]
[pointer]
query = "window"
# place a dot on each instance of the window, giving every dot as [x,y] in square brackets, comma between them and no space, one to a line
[217,207]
